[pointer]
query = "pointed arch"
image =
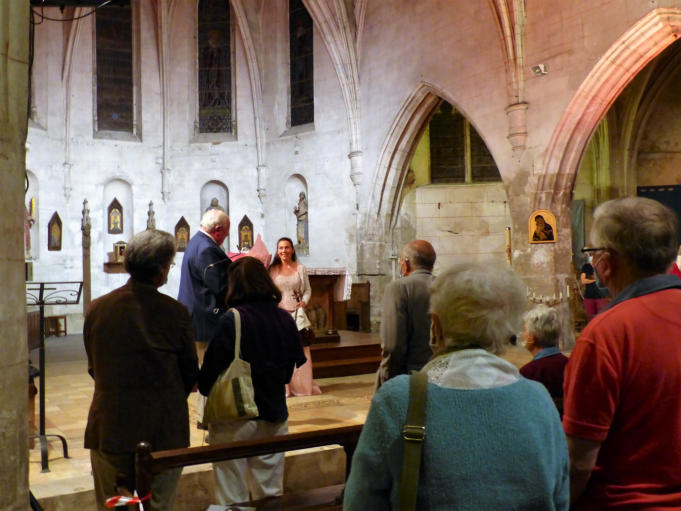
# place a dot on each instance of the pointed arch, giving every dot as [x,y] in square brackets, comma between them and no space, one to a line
[616,68]
[396,153]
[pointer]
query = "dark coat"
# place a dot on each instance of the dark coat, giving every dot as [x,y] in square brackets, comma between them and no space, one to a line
[143,360]
[269,342]
[203,284]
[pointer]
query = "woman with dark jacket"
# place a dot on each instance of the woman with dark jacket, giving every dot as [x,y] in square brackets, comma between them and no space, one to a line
[270,344]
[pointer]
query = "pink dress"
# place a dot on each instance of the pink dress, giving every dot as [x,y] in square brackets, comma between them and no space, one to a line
[302,383]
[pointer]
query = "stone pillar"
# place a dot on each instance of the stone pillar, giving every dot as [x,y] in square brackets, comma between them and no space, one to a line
[14,360]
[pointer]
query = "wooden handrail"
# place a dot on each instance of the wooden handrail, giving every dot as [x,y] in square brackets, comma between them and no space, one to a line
[148,463]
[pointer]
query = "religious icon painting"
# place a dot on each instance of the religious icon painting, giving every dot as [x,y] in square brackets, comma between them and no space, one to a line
[542,227]
[245,234]
[115,217]
[181,235]
[54,232]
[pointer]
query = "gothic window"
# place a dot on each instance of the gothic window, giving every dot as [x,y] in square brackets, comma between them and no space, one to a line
[457,152]
[215,76]
[301,64]
[114,68]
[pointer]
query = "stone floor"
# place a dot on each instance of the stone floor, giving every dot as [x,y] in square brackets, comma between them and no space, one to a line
[344,401]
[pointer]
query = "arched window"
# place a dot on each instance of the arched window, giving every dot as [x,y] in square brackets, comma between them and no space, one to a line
[458,154]
[301,64]
[114,68]
[215,67]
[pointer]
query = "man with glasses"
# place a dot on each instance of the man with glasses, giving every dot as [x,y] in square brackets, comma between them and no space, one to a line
[623,381]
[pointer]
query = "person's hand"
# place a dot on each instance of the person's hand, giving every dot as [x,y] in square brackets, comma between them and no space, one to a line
[302,304]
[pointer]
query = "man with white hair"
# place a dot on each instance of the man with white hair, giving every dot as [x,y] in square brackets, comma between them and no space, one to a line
[623,380]
[405,322]
[203,282]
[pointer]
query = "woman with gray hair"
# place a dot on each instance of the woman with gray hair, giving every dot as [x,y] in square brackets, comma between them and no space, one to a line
[493,440]
[541,336]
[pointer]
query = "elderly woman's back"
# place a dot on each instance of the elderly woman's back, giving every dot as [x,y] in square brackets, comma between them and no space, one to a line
[493,439]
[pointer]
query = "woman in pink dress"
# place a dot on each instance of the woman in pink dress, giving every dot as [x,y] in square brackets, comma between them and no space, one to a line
[291,279]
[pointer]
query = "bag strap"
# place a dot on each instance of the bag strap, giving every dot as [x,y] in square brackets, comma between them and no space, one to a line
[413,432]
[237,333]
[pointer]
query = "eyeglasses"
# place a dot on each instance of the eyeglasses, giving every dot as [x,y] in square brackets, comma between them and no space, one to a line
[585,250]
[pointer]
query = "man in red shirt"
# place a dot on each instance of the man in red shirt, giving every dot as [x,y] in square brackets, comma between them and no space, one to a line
[623,381]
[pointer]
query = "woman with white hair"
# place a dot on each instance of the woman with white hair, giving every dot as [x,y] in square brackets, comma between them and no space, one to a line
[542,332]
[493,440]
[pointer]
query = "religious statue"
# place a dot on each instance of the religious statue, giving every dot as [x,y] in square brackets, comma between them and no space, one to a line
[301,224]
[215,204]
[28,223]
[151,220]
[85,225]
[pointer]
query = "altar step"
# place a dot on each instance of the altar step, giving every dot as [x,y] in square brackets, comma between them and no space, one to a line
[355,353]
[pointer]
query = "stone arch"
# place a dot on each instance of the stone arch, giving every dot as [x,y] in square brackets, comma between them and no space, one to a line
[639,45]
[397,151]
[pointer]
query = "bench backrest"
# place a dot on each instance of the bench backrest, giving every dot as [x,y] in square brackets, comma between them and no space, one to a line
[148,463]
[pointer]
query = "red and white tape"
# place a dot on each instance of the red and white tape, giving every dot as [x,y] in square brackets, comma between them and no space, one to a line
[127,501]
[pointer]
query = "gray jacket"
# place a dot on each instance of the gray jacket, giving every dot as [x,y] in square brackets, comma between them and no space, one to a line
[405,325]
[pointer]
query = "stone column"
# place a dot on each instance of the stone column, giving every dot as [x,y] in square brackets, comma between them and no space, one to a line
[14,360]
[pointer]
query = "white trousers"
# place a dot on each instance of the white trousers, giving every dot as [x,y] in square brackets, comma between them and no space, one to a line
[262,475]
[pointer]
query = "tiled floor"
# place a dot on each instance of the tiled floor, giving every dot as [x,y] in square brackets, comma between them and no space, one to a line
[69,391]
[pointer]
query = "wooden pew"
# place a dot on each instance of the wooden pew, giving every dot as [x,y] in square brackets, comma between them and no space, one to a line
[148,463]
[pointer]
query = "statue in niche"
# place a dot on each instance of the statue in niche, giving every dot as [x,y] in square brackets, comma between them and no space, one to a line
[151,217]
[115,217]
[301,224]
[181,235]
[245,234]
[215,204]
[29,220]
[54,233]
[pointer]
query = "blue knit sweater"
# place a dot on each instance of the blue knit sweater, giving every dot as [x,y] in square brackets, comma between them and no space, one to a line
[485,449]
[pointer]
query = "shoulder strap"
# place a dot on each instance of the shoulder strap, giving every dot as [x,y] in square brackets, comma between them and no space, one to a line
[237,333]
[413,432]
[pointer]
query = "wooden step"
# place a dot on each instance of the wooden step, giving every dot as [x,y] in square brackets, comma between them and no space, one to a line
[355,353]
[345,367]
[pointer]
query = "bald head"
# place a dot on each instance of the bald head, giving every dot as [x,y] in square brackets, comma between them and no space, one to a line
[418,254]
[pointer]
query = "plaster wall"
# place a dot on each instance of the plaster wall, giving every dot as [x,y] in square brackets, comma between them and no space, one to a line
[459,52]
[316,152]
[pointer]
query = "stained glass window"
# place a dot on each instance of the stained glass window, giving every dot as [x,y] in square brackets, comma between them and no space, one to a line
[215,77]
[301,64]
[114,67]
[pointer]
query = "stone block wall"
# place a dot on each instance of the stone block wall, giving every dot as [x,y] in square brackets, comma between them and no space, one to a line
[463,221]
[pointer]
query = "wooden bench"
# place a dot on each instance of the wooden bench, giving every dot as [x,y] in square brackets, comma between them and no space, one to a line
[148,463]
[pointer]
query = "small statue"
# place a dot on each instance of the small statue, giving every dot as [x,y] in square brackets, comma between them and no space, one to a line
[85,225]
[215,204]
[151,217]
[28,223]
[301,224]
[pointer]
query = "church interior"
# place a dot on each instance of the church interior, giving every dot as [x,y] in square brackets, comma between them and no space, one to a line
[350,126]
